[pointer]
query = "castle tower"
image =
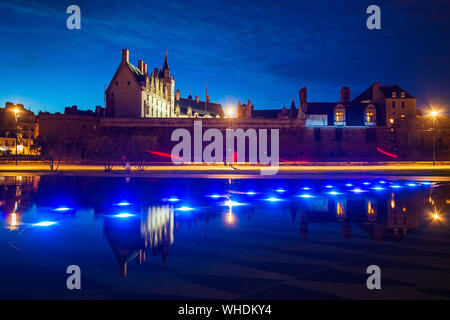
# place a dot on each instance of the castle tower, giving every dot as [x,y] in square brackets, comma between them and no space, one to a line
[345,96]
[303,104]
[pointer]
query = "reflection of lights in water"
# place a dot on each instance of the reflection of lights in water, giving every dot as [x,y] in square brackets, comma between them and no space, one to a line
[157,226]
[412,184]
[215,196]
[123,204]
[280,190]
[349,185]
[173,199]
[333,193]
[378,188]
[273,199]
[230,217]
[62,209]
[306,196]
[231,203]
[329,186]
[358,190]
[382,182]
[396,186]
[184,209]
[123,215]
[44,224]
[14,223]
[251,193]
[339,208]
[370,209]
[393,204]
[426,183]
[366,183]
[306,188]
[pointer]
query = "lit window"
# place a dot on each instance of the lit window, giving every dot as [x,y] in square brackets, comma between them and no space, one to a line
[403,94]
[394,94]
[369,117]
[339,116]
[391,121]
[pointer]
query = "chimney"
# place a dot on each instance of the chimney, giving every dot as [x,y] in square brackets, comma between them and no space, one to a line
[345,95]
[155,72]
[141,66]
[125,55]
[177,95]
[207,99]
[302,107]
[145,68]
[376,91]
[196,99]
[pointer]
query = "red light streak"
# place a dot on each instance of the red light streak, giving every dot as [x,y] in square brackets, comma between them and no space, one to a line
[387,153]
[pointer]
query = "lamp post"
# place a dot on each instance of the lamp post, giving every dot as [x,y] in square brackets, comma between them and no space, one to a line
[230,114]
[434,114]
[16,112]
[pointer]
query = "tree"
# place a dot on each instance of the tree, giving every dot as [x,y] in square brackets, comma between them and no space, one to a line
[104,149]
[137,150]
[52,149]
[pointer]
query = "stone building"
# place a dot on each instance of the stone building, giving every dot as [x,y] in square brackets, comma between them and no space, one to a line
[195,108]
[17,124]
[134,92]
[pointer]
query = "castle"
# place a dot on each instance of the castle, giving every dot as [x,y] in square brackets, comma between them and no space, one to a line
[134,93]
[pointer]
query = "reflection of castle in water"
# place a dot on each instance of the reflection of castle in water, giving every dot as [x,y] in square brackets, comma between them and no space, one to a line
[384,218]
[138,237]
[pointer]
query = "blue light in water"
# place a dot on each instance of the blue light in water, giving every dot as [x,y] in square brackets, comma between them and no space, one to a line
[280,190]
[378,188]
[273,199]
[358,190]
[427,183]
[306,196]
[349,185]
[173,199]
[123,215]
[215,196]
[382,182]
[123,204]
[251,193]
[411,184]
[62,209]
[329,186]
[366,183]
[396,186]
[333,193]
[306,188]
[231,203]
[184,209]
[45,223]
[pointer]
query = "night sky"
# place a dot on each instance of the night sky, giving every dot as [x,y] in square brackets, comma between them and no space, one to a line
[262,50]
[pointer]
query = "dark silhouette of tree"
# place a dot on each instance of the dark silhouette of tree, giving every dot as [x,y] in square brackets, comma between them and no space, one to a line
[105,150]
[137,150]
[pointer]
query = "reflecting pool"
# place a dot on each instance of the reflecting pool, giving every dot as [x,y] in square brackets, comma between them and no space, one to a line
[148,238]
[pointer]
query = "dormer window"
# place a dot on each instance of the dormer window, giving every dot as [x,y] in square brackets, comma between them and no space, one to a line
[394,94]
[339,115]
[402,94]
[370,117]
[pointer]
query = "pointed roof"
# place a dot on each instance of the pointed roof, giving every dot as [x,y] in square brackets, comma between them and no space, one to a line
[166,63]
[292,111]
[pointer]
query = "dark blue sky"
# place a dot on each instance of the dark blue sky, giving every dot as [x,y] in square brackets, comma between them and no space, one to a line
[262,50]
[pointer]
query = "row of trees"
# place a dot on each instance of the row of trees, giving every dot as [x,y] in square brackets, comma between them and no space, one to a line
[106,150]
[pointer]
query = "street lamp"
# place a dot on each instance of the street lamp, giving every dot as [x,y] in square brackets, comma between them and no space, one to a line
[434,114]
[230,112]
[16,115]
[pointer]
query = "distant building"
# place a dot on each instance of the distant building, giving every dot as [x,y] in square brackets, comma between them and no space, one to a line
[195,108]
[375,106]
[17,124]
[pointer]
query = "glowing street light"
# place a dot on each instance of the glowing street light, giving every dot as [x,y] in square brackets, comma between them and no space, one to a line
[230,112]
[434,114]
[16,112]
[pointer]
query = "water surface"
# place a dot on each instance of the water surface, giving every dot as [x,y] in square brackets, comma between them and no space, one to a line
[145,238]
